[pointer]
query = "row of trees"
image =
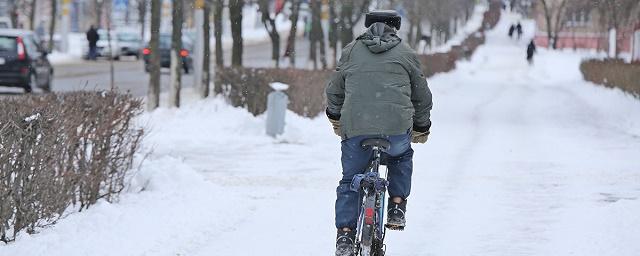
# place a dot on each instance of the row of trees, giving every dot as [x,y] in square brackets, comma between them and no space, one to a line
[343,17]
[612,14]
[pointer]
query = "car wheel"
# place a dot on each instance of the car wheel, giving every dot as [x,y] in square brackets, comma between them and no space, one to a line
[28,88]
[117,57]
[47,87]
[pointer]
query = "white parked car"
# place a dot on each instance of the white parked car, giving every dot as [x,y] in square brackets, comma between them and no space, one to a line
[5,22]
[104,48]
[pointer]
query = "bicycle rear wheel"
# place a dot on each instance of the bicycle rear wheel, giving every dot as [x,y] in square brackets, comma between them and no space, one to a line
[368,233]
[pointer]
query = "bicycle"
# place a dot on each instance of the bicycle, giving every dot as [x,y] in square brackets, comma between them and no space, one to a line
[371,231]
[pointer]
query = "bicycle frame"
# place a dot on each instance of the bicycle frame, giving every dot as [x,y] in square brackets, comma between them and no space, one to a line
[371,231]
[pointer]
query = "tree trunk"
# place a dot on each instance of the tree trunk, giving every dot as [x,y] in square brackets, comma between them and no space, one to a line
[153,96]
[176,59]
[142,15]
[351,17]
[316,35]
[559,23]
[410,35]
[206,64]
[14,13]
[217,30]
[418,37]
[235,12]
[346,30]
[291,41]
[52,25]
[333,31]
[99,4]
[547,18]
[270,26]
[32,15]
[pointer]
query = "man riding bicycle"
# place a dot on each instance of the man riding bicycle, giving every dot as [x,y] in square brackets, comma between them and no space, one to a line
[378,90]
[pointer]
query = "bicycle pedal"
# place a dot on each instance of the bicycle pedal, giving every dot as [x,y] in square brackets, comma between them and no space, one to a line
[394,227]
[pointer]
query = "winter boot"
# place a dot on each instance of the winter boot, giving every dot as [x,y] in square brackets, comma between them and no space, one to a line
[395,215]
[345,243]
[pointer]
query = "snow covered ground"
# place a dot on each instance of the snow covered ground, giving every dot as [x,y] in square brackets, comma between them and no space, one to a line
[522,160]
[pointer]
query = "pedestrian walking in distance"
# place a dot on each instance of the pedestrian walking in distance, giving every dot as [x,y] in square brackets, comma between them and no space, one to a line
[512,28]
[92,37]
[531,49]
[519,30]
[378,90]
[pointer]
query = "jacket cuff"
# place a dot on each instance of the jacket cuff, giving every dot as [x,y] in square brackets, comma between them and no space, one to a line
[421,128]
[332,116]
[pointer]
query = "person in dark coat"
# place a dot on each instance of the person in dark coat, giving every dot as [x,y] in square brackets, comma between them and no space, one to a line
[511,29]
[92,37]
[519,30]
[531,49]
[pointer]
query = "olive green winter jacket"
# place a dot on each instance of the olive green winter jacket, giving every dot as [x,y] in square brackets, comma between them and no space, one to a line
[378,87]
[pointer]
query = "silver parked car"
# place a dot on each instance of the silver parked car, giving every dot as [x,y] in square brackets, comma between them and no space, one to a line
[130,43]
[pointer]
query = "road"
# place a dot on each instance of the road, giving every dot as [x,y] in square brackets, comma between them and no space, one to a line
[130,75]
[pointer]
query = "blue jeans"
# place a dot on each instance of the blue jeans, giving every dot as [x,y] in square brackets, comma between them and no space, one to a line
[355,160]
[93,52]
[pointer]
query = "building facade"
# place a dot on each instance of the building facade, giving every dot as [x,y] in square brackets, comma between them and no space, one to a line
[582,29]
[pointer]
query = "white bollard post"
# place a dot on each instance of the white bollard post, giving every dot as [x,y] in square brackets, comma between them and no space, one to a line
[277,102]
[612,43]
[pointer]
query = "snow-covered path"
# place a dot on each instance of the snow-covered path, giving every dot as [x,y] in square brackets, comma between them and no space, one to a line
[522,160]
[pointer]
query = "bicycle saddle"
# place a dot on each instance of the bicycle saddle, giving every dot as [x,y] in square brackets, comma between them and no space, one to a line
[381,143]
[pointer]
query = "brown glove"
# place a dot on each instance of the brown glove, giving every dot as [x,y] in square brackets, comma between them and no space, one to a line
[419,137]
[336,126]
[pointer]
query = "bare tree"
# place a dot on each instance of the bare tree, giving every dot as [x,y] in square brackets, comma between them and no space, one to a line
[270,25]
[142,16]
[333,31]
[235,13]
[15,6]
[350,16]
[52,25]
[98,4]
[615,14]
[176,53]
[153,97]
[206,64]
[554,12]
[217,30]
[32,15]
[290,50]
[316,35]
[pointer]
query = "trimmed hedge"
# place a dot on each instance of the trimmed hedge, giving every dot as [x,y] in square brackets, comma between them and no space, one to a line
[58,150]
[613,73]
[249,87]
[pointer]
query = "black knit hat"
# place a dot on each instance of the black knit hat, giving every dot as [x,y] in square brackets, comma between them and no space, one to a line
[389,17]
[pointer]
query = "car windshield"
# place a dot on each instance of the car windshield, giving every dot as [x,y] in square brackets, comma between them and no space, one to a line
[104,35]
[165,42]
[128,37]
[8,44]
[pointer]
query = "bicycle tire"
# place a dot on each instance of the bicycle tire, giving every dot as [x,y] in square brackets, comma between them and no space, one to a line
[369,227]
